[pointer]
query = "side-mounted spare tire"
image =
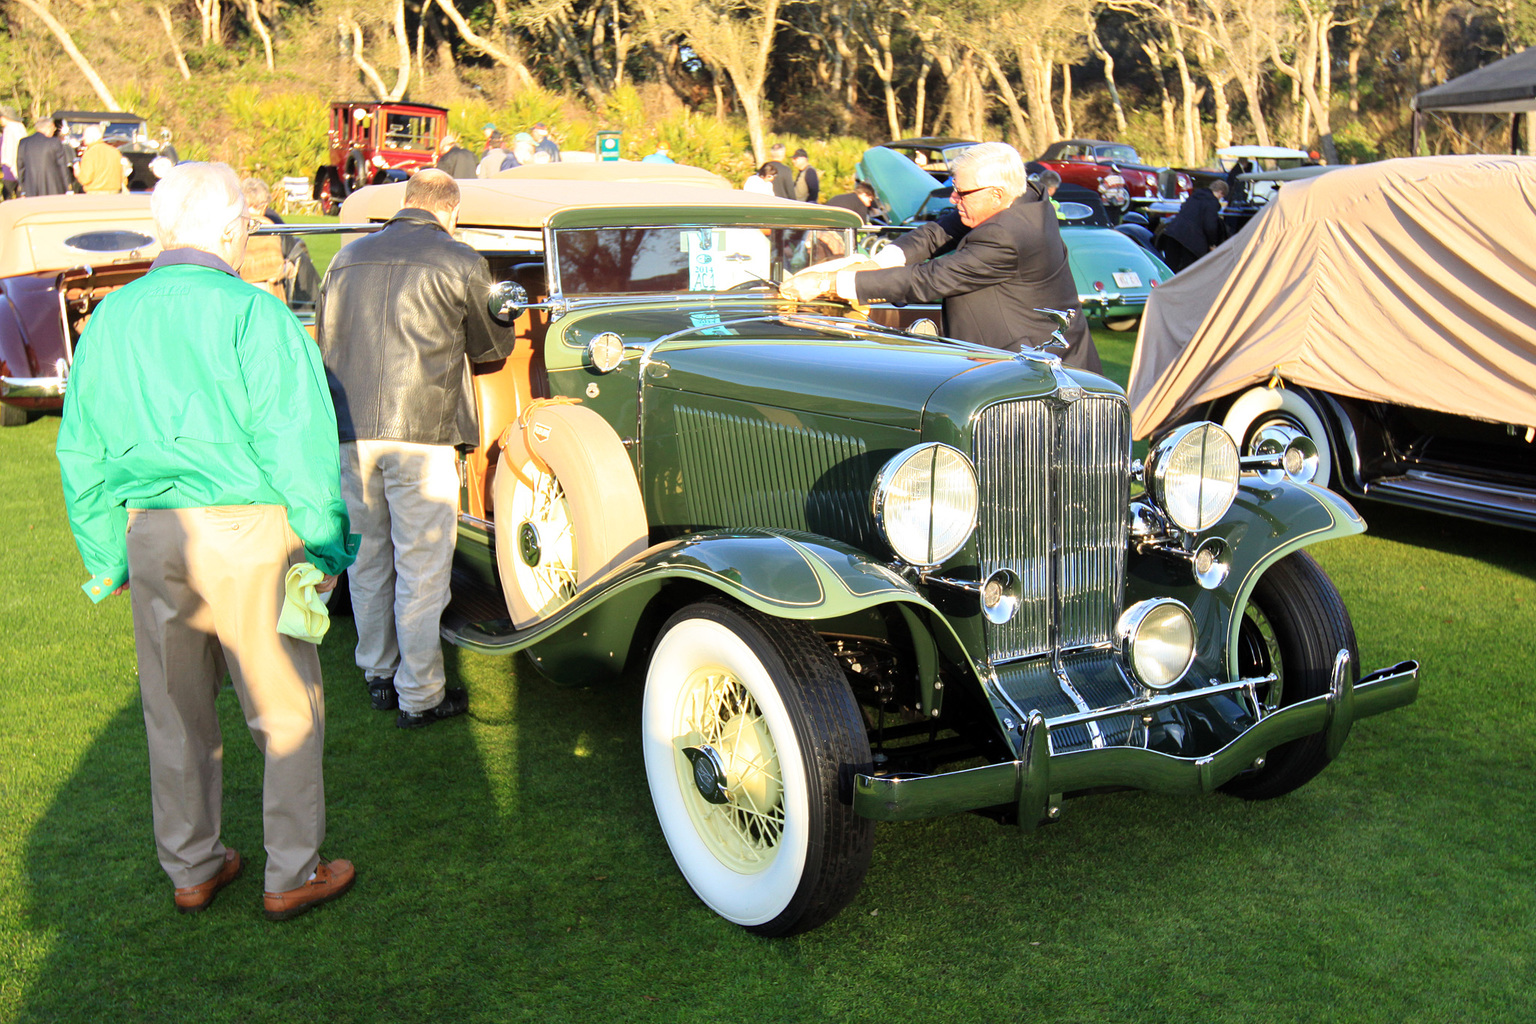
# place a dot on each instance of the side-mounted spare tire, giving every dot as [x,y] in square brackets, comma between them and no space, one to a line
[567,508]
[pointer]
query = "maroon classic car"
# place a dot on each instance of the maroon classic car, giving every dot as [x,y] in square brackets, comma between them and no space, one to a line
[59,257]
[1115,171]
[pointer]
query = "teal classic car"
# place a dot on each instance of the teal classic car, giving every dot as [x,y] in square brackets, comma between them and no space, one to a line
[865,575]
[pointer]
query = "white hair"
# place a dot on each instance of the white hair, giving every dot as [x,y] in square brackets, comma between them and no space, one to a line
[92,134]
[194,203]
[992,163]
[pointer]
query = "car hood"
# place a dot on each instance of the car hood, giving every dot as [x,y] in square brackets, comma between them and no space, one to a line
[778,357]
[906,190]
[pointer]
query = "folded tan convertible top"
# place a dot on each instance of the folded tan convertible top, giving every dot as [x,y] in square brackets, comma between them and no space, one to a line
[1409,281]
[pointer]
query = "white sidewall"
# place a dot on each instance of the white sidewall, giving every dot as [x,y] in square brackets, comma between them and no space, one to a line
[1255,405]
[744,899]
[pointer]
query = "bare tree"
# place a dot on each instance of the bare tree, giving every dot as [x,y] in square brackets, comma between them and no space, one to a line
[504,53]
[737,37]
[1096,44]
[254,12]
[170,33]
[68,43]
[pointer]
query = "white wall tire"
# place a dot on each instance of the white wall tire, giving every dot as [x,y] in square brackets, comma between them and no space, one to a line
[567,508]
[1260,407]
[783,854]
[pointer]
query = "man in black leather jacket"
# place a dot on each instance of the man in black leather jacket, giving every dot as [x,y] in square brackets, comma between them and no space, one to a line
[400,310]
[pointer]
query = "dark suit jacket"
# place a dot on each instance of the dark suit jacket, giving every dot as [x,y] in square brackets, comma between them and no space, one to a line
[990,278]
[43,165]
[1198,226]
[458,162]
[783,180]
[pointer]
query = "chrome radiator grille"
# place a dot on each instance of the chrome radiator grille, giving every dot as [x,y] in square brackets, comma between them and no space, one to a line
[1055,499]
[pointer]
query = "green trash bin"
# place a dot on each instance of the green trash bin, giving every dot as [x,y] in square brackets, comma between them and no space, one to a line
[608,145]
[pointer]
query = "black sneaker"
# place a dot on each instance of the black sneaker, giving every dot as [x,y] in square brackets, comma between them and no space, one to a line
[455,702]
[382,695]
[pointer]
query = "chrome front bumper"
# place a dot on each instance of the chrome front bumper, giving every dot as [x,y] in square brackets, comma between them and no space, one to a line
[1030,782]
[31,387]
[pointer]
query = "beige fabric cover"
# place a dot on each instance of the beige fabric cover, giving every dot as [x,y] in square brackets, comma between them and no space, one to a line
[32,231]
[1408,281]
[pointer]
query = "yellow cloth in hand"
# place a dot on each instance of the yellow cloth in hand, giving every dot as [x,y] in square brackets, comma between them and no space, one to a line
[304,615]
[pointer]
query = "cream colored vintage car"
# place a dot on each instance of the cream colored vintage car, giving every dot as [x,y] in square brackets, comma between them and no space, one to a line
[59,256]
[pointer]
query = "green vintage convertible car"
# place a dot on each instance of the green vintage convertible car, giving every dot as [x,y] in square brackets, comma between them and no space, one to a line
[866,574]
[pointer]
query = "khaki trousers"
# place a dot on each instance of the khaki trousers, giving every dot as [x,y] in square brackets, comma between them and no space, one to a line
[207,587]
[403,498]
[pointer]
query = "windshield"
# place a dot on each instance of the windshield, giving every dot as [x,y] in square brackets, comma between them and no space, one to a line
[676,259]
[409,131]
[1116,154]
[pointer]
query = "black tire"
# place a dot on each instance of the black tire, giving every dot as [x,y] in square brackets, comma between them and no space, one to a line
[743,691]
[357,171]
[325,193]
[1294,625]
[11,416]
[1122,323]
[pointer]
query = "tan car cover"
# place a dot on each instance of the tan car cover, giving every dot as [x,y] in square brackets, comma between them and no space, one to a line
[1408,281]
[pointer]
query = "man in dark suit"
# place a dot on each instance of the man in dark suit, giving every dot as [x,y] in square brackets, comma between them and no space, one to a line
[1196,229]
[992,261]
[44,163]
[784,178]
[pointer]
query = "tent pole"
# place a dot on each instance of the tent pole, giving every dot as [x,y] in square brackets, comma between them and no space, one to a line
[1416,133]
[1514,131]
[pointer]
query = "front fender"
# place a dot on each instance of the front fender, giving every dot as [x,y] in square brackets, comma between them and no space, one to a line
[785,574]
[1265,524]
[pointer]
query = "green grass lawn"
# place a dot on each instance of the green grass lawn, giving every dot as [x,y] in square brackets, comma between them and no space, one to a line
[510,867]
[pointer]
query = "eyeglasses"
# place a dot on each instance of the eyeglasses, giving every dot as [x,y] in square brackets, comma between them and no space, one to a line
[959,194]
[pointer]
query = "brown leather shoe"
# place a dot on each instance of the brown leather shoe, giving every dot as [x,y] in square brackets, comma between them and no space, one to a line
[193,898]
[332,879]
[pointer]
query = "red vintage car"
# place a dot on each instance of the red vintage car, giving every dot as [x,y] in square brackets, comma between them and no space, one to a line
[1115,171]
[372,143]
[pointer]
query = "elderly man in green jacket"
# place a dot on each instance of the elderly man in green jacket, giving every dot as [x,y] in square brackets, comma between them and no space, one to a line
[199,459]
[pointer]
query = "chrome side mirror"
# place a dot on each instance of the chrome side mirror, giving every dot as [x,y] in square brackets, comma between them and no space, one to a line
[507,300]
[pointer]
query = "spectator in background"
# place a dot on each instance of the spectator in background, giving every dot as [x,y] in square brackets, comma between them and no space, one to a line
[101,165]
[861,200]
[660,155]
[453,159]
[522,151]
[43,163]
[205,523]
[1196,229]
[264,265]
[807,180]
[1049,182]
[1237,188]
[495,155]
[762,182]
[12,131]
[542,143]
[400,310]
[783,177]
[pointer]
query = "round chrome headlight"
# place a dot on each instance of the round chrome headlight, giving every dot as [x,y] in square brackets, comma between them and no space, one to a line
[924,501]
[1192,475]
[1158,639]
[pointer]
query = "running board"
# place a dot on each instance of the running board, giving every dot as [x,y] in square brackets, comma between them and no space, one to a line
[1458,495]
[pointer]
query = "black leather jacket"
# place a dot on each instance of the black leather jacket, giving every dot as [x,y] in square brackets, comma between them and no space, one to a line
[399,311]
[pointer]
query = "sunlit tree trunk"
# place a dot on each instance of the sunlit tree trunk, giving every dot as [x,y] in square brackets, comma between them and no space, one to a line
[68,43]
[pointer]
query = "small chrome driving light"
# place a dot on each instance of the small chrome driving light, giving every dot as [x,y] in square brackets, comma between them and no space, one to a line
[924,327]
[1297,452]
[924,502]
[1211,563]
[1000,595]
[1157,638]
[605,352]
[1192,474]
